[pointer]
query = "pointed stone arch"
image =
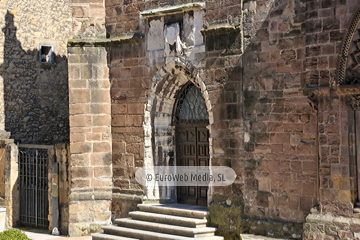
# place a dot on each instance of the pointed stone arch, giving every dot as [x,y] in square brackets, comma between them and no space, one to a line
[346,51]
[158,129]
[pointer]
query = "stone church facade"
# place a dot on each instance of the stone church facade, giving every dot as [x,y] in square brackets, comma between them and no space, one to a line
[272,89]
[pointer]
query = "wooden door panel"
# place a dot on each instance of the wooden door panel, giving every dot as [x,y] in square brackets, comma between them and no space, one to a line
[192,150]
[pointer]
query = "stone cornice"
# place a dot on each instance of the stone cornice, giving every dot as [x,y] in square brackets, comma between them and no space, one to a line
[173,9]
[220,29]
[90,42]
[342,90]
[351,94]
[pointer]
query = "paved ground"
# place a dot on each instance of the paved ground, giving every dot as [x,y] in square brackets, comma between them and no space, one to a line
[35,234]
[256,237]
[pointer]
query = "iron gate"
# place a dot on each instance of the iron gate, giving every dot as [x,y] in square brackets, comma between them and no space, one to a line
[33,187]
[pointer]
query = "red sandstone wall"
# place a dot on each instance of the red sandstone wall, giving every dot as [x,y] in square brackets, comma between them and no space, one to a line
[289,152]
[122,17]
[296,46]
[88,18]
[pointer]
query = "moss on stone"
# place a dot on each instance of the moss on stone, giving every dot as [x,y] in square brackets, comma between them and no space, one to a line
[225,215]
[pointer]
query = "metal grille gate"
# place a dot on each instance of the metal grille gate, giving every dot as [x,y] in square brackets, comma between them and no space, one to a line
[33,187]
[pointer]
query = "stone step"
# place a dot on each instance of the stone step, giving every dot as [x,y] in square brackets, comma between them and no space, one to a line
[356,210]
[165,228]
[103,236]
[182,210]
[168,219]
[147,235]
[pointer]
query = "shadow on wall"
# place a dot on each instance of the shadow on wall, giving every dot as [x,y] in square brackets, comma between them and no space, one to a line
[36,105]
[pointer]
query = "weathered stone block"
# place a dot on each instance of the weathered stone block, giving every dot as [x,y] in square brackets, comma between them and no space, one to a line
[77,137]
[82,172]
[93,137]
[100,96]
[81,159]
[79,108]
[101,147]
[100,108]
[100,159]
[80,121]
[80,147]
[102,120]
[97,11]
[79,96]
[101,183]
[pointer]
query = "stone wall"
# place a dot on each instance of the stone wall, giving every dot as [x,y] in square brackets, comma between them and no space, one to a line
[323,51]
[129,83]
[12,202]
[269,71]
[145,79]
[327,226]
[35,94]
[278,171]
[2,172]
[90,167]
[88,18]
[292,48]
[62,158]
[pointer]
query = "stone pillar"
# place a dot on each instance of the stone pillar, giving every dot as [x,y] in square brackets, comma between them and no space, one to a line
[61,153]
[11,184]
[334,171]
[90,168]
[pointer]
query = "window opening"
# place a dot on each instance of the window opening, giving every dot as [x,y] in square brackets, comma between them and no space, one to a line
[46,53]
[190,106]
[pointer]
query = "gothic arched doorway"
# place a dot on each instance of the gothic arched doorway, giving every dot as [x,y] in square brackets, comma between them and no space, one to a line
[191,119]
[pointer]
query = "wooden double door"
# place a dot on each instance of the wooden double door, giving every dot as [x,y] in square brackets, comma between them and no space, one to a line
[192,149]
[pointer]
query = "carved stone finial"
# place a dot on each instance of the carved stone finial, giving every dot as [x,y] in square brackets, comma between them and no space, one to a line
[355,102]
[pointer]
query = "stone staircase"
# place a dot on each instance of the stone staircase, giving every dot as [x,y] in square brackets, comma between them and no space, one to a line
[160,222]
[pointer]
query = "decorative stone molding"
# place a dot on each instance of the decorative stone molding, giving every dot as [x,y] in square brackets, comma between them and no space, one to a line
[105,42]
[355,102]
[220,29]
[158,116]
[173,9]
[349,41]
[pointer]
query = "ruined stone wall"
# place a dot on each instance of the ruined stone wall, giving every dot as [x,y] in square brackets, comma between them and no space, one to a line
[88,19]
[123,17]
[35,94]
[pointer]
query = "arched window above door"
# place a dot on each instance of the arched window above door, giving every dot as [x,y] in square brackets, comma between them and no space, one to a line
[349,68]
[190,107]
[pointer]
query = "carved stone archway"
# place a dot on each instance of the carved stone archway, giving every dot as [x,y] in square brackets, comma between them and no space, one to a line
[158,129]
[349,62]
